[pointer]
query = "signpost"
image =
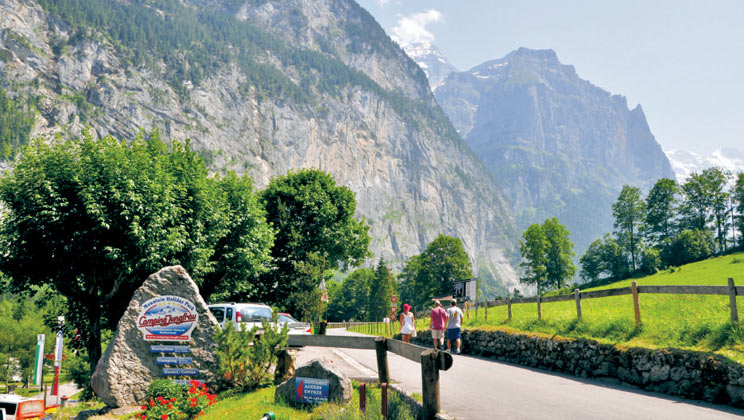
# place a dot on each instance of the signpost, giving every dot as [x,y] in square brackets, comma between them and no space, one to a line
[58,355]
[311,390]
[40,338]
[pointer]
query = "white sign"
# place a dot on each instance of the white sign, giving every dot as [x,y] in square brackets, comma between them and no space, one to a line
[167,318]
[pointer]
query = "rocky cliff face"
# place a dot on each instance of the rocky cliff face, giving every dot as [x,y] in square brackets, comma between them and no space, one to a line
[316,84]
[558,145]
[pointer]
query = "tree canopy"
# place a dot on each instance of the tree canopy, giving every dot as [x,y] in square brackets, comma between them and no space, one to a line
[434,272]
[314,223]
[629,211]
[93,218]
[547,254]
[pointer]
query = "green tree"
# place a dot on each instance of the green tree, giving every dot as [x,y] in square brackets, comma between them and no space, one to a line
[715,182]
[696,202]
[738,196]
[351,299]
[93,218]
[591,262]
[434,272]
[614,260]
[533,247]
[378,301]
[661,211]
[314,223]
[629,212]
[559,254]
[689,246]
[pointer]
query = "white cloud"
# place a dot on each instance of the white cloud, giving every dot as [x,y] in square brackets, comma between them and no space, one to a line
[383,3]
[412,29]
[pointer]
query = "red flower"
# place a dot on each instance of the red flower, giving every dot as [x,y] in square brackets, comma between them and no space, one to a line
[170,406]
[144,407]
[192,404]
[152,403]
[164,417]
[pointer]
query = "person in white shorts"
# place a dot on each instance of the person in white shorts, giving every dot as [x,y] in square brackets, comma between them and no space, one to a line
[437,323]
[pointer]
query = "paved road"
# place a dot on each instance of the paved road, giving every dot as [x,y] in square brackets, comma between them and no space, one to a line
[476,388]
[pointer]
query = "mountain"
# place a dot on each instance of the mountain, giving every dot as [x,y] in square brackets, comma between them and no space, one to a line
[432,62]
[558,145]
[263,88]
[684,163]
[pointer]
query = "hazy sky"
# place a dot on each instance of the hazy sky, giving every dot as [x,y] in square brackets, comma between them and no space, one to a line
[683,61]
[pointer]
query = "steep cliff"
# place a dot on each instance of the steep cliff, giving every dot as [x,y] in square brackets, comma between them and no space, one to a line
[262,88]
[558,145]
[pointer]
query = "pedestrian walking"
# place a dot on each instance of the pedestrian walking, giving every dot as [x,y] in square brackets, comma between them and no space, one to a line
[437,323]
[407,324]
[453,326]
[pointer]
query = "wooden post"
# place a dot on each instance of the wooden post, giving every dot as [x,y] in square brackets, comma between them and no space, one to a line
[383,398]
[539,307]
[467,311]
[430,384]
[382,363]
[577,295]
[636,307]
[485,314]
[732,297]
[476,309]
[508,307]
[363,397]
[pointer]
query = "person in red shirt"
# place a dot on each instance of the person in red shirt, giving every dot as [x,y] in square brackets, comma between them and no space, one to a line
[437,323]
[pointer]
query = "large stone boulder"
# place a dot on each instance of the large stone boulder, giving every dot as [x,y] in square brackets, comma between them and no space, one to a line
[339,386]
[128,366]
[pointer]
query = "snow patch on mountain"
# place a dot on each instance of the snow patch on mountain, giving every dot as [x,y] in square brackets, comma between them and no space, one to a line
[431,61]
[684,162]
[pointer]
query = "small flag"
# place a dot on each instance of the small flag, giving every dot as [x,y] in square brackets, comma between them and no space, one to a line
[39,358]
[58,356]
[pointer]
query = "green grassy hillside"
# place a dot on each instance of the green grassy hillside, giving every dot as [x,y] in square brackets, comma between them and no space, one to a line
[685,321]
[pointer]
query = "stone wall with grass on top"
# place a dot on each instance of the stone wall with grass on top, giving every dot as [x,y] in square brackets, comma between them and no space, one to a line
[688,374]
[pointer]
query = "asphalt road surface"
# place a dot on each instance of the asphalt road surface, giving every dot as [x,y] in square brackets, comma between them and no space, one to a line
[477,388]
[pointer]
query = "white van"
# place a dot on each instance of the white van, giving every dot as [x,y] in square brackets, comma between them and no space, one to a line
[248,315]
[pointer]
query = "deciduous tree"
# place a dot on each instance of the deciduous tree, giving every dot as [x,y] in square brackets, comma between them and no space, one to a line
[629,212]
[661,210]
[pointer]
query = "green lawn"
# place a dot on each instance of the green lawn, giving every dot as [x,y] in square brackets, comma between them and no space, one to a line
[684,321]
[253,405]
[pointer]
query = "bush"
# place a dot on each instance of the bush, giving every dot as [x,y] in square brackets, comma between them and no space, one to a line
[689,246]
[245,357]
[171,401]
[650,261]
[79,371]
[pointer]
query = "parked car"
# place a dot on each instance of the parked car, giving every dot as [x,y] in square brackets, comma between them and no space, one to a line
[248,315]
[15,407]
[295,326]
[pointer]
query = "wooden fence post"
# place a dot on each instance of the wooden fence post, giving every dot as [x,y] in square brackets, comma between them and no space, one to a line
[485,314]
[363,397]
[636,306]
[467,311]
[430,384]
[539,307]
[508,307]
[732,297]
[382,363]
[384,401]
[577,295]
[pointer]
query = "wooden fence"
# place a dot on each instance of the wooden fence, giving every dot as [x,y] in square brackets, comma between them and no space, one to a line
[432,361]
[731,290]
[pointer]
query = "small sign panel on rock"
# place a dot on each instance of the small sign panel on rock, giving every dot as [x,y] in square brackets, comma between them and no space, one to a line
[311,390]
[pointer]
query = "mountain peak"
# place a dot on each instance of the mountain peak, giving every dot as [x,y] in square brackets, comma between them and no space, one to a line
[543,55]
[434,64]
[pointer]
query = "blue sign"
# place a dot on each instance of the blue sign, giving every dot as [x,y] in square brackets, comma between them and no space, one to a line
[173,360]
[169,349]
[187,382]
[180,372]
[311,390]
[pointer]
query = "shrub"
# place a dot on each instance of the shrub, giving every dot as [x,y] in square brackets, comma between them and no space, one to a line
[171,401]
[245,357]
[650,261]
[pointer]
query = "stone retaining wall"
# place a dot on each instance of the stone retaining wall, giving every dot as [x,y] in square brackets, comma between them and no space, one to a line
[677,372]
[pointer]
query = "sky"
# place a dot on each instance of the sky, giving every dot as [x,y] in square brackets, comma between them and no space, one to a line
[682,61]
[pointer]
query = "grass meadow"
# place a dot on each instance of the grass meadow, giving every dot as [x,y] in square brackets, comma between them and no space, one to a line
[693,322]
